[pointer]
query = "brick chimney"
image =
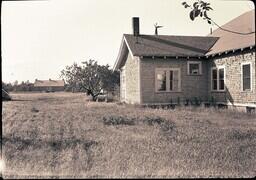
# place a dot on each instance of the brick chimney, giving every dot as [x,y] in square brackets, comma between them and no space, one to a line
[136,26]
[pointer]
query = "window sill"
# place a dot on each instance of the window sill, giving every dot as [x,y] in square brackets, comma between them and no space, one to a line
[194,74]
[247,91]
[168,92]
[220,91]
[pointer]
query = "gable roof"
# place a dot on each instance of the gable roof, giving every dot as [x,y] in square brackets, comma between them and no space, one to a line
[229,41]
[49,83]
[164,45]
[193,46]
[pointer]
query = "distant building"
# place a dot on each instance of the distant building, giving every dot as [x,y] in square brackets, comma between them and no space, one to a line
[49,85]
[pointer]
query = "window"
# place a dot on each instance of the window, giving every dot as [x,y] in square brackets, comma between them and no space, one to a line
[161,81]
[246,77]
[218,79]
[221,79]
[214,79]
[194,68]
[167,80]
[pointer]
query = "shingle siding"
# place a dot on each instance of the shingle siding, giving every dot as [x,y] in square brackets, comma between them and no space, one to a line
[233,83]
[132,93]
[191,85]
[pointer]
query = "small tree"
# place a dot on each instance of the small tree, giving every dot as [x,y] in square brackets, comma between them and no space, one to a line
[90,77]
[7,86]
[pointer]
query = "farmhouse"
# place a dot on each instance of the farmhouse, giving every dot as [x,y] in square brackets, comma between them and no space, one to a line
[49,85]
[161,69]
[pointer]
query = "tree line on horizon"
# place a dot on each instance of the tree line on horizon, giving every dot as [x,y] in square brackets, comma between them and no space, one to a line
[88,77]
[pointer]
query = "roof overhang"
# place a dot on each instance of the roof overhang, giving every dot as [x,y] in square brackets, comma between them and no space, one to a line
[229,51]
[122,54]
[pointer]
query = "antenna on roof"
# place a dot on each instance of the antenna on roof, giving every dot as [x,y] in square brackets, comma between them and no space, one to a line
[156,27]
[210,30]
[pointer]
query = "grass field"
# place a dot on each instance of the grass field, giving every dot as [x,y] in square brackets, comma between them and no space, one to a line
[64,135]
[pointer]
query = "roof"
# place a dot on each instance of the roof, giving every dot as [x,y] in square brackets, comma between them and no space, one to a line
[190,46]
[49,83]
[163,45]
[229,41]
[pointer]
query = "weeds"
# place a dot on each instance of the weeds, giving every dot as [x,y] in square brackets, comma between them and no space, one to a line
[153,120]
[118,120]
[167,126]
[239,135]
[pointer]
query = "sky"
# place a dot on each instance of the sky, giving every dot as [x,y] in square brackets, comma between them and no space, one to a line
[40,38]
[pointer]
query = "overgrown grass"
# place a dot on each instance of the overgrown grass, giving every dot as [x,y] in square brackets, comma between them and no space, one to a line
[58,135]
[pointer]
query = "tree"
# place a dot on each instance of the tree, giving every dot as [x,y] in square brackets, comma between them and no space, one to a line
[90,77]
[200,9]
[7,86]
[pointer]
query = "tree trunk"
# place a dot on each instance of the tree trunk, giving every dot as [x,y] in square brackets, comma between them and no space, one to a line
[94,98]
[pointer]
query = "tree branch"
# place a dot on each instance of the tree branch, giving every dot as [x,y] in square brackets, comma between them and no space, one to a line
[235,32]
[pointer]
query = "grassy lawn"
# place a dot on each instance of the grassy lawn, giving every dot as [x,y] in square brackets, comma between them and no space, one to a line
[65,135]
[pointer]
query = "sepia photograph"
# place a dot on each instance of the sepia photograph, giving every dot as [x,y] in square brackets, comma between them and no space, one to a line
[128,89]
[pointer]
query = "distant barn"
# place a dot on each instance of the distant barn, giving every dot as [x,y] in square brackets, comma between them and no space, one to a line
[49,85]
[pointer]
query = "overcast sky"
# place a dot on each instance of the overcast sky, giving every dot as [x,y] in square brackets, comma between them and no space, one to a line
[39,38]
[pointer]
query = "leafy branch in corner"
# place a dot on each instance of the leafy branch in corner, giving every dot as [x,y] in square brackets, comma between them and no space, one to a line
[200,9]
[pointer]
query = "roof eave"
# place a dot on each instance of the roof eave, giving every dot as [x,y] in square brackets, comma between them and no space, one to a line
[119,59]
[229,50]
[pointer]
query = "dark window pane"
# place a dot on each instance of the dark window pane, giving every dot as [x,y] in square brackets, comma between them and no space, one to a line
[214,74]
[246,83]
[221,85]
[193,68]
[214,84]
[246,70]
[246,77]
[221,73]
[171,80]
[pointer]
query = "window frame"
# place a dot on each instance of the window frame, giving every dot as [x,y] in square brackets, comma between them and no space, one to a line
[218,79]
[242,87]
[194,62]
[168,79]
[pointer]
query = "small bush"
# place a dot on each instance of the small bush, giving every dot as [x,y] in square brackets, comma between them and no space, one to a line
[167,126]
[186,103]
[153,120]
[118,120]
